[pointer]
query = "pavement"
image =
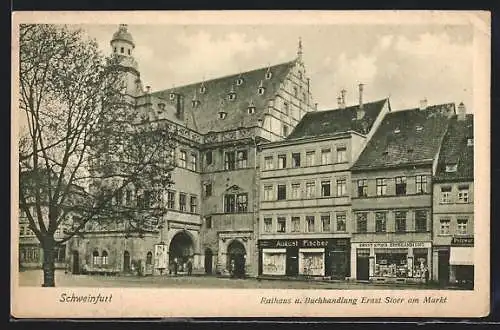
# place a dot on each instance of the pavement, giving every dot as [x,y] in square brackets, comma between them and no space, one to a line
[35,278]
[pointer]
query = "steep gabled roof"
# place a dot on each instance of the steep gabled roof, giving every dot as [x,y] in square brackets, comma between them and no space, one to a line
[334,121]
[205,117]
[407,137]
[456,151]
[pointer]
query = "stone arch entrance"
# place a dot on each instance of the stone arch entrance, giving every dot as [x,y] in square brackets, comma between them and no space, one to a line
[181,249]
[236,258]
[208,260]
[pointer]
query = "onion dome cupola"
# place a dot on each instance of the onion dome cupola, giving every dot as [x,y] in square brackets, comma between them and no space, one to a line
[122,42]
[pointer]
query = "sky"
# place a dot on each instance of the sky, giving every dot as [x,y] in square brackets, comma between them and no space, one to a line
[406,63]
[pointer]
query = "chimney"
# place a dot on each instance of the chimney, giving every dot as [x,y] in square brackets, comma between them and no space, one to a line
[423,104]
[339,102]
[180,107]
[461,111]
[308,84]
[360,112]
[342,96]
[148,89]
[316,106]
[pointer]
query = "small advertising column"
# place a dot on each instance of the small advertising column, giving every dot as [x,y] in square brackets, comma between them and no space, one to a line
[161,257]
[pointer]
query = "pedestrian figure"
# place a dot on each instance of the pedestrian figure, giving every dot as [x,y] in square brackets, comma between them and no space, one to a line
[426,274]
[189,267]
[231,269]
[175,266]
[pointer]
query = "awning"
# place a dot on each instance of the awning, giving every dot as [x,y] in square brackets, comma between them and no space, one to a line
[463,256]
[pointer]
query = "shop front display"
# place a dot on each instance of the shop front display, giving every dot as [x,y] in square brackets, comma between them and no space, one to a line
[462,260]
[304,257]
[385,261]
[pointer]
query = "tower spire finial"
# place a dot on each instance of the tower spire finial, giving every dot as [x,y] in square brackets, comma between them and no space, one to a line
[299,50]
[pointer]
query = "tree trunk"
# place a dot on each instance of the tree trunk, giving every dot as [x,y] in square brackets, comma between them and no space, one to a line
[48,263]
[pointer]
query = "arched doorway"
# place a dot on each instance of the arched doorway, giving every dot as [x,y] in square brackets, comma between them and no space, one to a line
[208,261]
[236,258]
[75,269]
[126,261]
[181,249]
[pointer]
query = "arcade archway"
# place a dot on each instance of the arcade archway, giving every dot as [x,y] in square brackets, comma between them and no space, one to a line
[181,248]
[236,258]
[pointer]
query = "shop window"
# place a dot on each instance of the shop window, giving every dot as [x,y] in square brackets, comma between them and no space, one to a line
[446,194]
[268,163]
[171,199]
[193,162]
[274,261]
[391,263]
[326,156]
[208,157]
[104,259]
[281,224]
[296,191]
[325,188]
[462,226]
[281,192]
[149,258]
[341,187]
[310,189]
[242,157]
[400,185]
[193,204]
[296,160]
[463,194]
[362,188]
[182,159]
[421,221]
[400,218]
[208,189]
[325,223]
[295,224]
[341,154]
[268,224]
[341,222]
[380,222]
[229,161]
[362,222]
[310,223]
[95,258]
[268,193]
[420,263]
[310,155]
[444,226]
[381,187]
[421,184]
[281,161]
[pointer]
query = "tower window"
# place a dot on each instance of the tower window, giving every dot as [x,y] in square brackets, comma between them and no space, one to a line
[128,51]
[122,50]
[269,75]
[114,49]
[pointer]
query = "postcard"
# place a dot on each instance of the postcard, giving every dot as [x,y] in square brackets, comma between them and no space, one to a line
[250,164]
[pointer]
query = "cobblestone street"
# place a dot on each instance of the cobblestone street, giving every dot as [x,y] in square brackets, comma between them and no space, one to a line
[35,278]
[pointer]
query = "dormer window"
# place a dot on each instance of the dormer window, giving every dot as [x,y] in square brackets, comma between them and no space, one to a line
[409,150]
[450,168]
[470,142]
[222,115]
[269,75]
[161,107]
[397,131]
[232,96]
[261,89]
[419,128]
[203,89]
[385,153]
[239,81]
[195,103]
[172,96]
[251,110]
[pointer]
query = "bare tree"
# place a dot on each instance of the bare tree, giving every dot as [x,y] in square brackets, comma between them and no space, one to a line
[84,154]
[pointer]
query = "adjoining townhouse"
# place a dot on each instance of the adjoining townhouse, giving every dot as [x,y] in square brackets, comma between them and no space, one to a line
[453,204]
[392,196]
[305,189]
[213,202]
